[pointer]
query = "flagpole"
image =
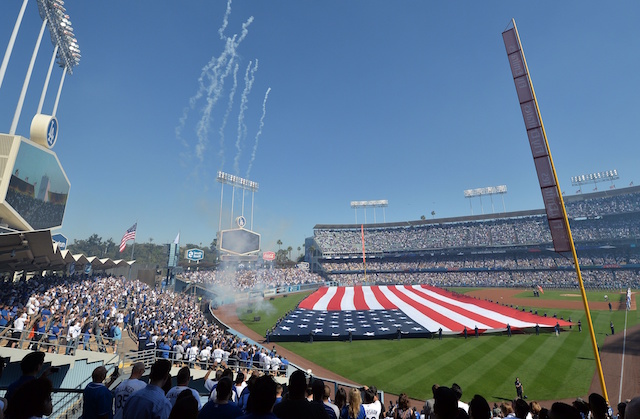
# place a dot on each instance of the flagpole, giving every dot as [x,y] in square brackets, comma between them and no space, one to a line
[364,261]
[133,248]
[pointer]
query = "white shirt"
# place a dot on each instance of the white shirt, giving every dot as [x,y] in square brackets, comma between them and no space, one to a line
[372,410]
[122,393]
[172,395]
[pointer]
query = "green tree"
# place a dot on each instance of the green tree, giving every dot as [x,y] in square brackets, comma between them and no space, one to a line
[289,250]
[279,243]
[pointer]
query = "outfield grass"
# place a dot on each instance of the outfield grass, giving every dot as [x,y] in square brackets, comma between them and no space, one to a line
[574,295]
[549,367]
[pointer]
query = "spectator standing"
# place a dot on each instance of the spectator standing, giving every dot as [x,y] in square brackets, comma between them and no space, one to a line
[30,366]
[221,408]
[263,397]
[127,388]
[519,389]
[186,406]
[32,400]
[150,402]
[97,400]
[296,405]
[184,375]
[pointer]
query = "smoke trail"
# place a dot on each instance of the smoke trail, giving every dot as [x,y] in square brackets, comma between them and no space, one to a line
[214,90]
[209,79]
[225,20]
[232,95]
[255,145]
[249,77]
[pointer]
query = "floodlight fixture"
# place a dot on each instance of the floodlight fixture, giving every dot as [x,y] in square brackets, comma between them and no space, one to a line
[381,203]
[61,31]
[607,175]
[488,190]
[237,181]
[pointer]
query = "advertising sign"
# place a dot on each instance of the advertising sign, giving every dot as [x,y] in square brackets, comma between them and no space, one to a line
[61,240]
[269,256]
[195,254]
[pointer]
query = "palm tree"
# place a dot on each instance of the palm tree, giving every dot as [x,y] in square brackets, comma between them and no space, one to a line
[422,217]
[433,214]
[279,243]
[299,250]
[289,249]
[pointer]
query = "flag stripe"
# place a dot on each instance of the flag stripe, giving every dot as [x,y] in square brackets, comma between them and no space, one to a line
[358,298]
[500,320]
[309,302]
[370,299]
[468,318]
[336,301]
[495,310]
[384,301]
[421,314]
[324,301]
[347,301]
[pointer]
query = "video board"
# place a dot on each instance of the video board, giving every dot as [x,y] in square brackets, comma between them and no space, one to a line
[38,188]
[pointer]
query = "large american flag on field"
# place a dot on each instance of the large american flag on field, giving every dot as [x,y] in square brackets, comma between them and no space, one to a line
[385,311]
[130,234]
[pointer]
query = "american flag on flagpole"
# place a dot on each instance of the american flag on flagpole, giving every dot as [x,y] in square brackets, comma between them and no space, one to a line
[129,235]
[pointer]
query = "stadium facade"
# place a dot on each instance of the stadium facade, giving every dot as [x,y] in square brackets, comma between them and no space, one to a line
[507,249]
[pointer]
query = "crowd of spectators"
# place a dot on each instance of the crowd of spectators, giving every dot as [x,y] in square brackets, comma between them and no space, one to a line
[522,231]
[599,270]
[591,220]
[260,395]
[65,313]
[504,279]
[248,279]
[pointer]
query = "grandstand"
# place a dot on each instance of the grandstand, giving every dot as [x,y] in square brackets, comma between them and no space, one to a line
[504,250]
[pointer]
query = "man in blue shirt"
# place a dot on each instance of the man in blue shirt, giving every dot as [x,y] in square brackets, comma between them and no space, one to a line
[150,402]
[97,399]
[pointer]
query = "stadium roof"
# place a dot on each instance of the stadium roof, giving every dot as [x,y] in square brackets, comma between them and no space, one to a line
[35,251]
[485,217]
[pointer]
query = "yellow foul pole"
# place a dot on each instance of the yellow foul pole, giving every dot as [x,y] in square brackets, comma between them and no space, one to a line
[594,344]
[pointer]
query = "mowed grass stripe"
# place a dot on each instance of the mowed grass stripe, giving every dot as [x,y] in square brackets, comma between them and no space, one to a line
[497,369]
[549,367]
[564,374]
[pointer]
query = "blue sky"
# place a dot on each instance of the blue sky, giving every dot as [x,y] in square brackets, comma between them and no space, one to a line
[408,101]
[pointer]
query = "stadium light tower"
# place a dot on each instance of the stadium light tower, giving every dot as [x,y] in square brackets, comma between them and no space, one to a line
[66,44]
[381,203]
[489,190]
[66,48]
[608,175]
[236,182]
